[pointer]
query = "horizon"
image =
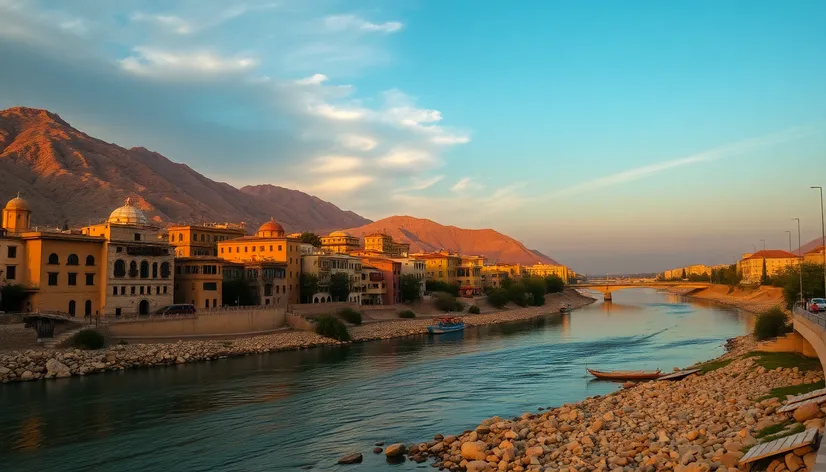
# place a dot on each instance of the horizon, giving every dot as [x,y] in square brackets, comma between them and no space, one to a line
[647,138]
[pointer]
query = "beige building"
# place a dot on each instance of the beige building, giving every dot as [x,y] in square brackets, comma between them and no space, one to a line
[441,266]
[199,281]
[374,287]
[323,265]
[415,267]
[341,242]
[469,275]
[384,244]
[202,240]
[544,270]
[776,261]
[493,276]
[815,256]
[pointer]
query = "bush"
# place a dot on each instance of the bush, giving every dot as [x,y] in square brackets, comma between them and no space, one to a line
[498,297]
[535,288]
[554,284]
[350,315]
[473,310]
[439,286]
[770,324]
[446,302]
[407,314]
[332,327]
[516,293]
[88,339]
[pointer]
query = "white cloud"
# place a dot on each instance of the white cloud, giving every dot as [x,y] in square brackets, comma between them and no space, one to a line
[358,142]
[325,110]
[75,26]
[171,23]
[315,79]
[154,62]
[330,164]
[343,184]
[338,23]
[408,158]
[422,183]
[465,184]
[450,139]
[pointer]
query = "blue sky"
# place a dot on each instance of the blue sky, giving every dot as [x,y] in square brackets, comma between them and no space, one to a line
[614,136]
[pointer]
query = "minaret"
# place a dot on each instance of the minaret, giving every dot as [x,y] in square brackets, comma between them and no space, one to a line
[17,217]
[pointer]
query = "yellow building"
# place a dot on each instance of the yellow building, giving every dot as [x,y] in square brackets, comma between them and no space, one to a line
[441,266]
[493,276]
[374,286]
[384,244]
[199,281]
[815,256]
[469,275]
[340,242]
[776,261]
[201,240]
[269,244]
[544,270]
[514,271]
[324,265]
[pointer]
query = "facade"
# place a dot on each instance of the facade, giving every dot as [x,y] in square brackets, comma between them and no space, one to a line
[441,266]
[340,242]
[374,288]
[514,271]
[12,259]
[267,280]
[544,270]
[416,267]
[469,275]
[776,261]
[815,256]
[201,240]
[323,265]
[199,281]
[392,272]
[269,244]
[493,276]
[384,244]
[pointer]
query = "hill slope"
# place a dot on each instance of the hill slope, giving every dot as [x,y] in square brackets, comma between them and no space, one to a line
[813,244]
[427,235]
[68,176]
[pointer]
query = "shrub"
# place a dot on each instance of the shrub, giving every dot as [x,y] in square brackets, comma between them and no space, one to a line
[88,339]
[498,297]
[473,310]
[332,327]
[446,302]
[439,286]
[350,315]
[407,314]
[770,324]
[516,293]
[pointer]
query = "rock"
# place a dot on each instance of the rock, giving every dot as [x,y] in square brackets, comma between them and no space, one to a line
[394,450]
[793,462]
[628,384]
[730,459]
[55,368]
[608,416]
[476,466]
[596,426]
[377,450]
[474,450]
[807,412]
[815,423]
[354,458]
[4,370]
[809,460]
[692,435]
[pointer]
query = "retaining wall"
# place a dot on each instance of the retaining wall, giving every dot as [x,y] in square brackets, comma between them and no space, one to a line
[208,325]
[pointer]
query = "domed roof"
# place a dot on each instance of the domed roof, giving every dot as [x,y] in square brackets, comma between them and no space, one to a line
[341,234]
[17,203]
[270,229]
[128,214]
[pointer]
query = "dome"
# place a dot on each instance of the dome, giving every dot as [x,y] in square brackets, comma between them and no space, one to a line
[270,229]
[17,203]
[128,214]
[340,234]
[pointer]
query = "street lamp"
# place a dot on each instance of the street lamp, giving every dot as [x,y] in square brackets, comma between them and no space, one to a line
[822,237]
[764,243]
[800,263]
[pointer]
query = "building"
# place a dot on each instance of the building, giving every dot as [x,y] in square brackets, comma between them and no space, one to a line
[391,271]
[323,265]
[270,245]
[441,266]
[266,279]
[545,270]
[514,271]
[469,275]
[12,258]
[374,288]
[815,256]
[340,242]
[493,276]
[774,260]
[415,267]
[199,281]
[202,240]
[384,244]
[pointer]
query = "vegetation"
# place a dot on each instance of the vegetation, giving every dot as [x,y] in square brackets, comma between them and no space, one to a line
[310,238]
[790,281]
[727,276]
[238,292]
[88,339]
[308,286]
[12,297]
[473,310]
[439,286]
[796,428]
[332,327]
[714,365]
[554,284]
[782,392]
[409,287]
[447,303]
[535,290]
[773,429]
[350,315]
[773,360]
[340,287]
[498,297]
[407,314]
[517,294]
[770,324]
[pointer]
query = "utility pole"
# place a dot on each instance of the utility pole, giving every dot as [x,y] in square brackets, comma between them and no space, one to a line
[800,264]
[764,244]
[822,237]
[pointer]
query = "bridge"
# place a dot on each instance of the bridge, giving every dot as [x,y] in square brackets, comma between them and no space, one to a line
[609,287]
[812,327]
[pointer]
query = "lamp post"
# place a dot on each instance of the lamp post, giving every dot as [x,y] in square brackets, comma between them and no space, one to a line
[764,243]
[822,237]
[800,264]
[790,240]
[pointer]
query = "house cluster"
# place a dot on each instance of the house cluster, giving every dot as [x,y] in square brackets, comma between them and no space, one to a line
[128,265]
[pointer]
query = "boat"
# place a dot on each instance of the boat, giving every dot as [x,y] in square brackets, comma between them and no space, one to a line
[446,324]
[566,309]
[625,374]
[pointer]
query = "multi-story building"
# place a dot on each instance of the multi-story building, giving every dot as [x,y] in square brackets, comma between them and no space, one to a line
[544,270]
[469,275]
[514,271]
[199,281]
[415,267]
[688,271]
[815,256]
[202,240]
[266,279]
[340,242]
[374,288]
[384,244]
[774,260]
[392,272]
[323,265]
[441,266]
[493,276]
[270,245]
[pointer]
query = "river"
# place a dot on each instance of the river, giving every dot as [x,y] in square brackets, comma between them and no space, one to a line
[303,410]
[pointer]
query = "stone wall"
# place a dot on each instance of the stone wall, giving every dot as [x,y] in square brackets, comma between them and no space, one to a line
[216,324]
[15,336]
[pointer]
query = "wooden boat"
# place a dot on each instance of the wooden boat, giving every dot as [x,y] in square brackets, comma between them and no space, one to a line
[625,374]
[446,324]
[566,309]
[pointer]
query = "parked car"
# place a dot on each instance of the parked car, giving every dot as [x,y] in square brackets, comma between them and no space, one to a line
[177,309]
[817,305]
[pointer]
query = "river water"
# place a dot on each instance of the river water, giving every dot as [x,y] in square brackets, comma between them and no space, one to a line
[303,410]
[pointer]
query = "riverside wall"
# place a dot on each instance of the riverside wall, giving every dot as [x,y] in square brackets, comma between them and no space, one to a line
[224,323]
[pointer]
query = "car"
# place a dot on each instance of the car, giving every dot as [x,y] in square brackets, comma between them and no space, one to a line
[177,309]
[817,305]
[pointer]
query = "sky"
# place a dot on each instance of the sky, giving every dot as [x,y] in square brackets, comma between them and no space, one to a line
[613,136]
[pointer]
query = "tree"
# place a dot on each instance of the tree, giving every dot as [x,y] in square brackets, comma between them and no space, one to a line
[516,293]
[535,287]
[440,286]
[238,292]
[339,286]
[812,282]
[764,276]
[308,286]
[12,297]
[498,297]
[409,287]
[310,238]
[554,284]
[683,273]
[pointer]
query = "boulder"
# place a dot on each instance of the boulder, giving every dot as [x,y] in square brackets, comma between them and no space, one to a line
[793,462]
[806,412]
[55,368]
[394,450]
[354,458]
[476,466]
[474,450]
[27,375]
[809,460]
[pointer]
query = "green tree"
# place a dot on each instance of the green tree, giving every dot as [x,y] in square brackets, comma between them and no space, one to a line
[812,282]
[339,287]
[238,292]
[683,273]
[517,294]
[764,277]
[12,297]
[554,284]
[771,324]
[409,288]
[308,286]
[440,286]
[446,302]
[535,288]
[498,297]
[310,238]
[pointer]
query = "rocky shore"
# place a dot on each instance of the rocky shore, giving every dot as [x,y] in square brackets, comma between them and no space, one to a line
[705,422]
[34,364]
[752,300]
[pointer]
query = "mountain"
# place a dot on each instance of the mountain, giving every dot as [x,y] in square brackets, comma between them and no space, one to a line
[426,235]
[815,243]
[70,177]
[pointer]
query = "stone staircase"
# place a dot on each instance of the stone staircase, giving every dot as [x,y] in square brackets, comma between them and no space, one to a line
[61,338]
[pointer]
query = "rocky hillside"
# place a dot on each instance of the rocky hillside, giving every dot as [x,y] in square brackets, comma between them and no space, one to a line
[70,177]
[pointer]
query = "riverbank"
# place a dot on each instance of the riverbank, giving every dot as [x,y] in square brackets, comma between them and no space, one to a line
[754,300]
[704,422]
[19,365]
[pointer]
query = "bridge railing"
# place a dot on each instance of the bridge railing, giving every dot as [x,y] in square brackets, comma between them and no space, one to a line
[816,318]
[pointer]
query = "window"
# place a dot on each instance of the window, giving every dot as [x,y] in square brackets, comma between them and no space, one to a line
[72,260]
[164,289]
[180,237]
[114,290]
[202,238]
[90,260]
[132,290]
[12,252]
[117,311]
[270,247]
[52,278]
[144,270]
[11,272]
[123,290]
[72,278]
[90,279]
[137,236]
[133,269]
[279,247]
[53,260]
[118,249]
[211,286]
[71,307]
[154,270]
[141,289]
[222,250]
[120,268]
[214,302]
[87,308]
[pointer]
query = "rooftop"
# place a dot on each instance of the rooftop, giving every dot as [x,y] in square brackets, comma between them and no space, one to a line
[772,254]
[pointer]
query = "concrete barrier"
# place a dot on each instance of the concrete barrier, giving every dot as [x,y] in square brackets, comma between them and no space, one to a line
[214,324]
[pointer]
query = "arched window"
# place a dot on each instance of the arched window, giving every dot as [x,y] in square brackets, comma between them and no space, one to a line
[144,270]
[53,260]
[165,270]
[180,237]
[133,269]
[154,270]
[71,308]
[90,260]
[72,260]
[202,238]
[87,310]
[120,268]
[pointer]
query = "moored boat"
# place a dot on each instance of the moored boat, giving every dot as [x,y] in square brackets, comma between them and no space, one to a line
[566,309]
[625,374]
[446,324]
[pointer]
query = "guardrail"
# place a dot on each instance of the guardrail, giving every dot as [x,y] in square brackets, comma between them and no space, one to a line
[817,318]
